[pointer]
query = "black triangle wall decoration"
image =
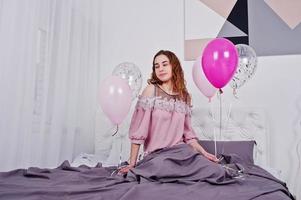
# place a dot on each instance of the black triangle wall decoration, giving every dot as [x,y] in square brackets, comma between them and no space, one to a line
[239,16]
[239,39]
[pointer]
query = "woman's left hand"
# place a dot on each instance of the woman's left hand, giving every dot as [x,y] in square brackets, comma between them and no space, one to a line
[210,156]
[197,147]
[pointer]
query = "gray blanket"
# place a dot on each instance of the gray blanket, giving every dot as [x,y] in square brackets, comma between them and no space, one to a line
[172,173]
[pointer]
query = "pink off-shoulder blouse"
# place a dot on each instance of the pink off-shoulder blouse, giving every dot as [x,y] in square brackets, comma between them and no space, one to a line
[160,121]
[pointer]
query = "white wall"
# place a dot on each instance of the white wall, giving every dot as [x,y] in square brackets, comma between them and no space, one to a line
[135,30]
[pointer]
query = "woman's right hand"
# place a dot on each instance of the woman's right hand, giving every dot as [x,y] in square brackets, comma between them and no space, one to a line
[125,169]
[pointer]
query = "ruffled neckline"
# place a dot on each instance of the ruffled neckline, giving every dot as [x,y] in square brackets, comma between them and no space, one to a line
[164,103]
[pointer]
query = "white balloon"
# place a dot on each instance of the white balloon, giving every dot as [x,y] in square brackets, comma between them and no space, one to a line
[132,74]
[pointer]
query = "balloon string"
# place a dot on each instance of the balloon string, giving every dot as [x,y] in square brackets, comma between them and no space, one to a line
[120,154]
[215,149]
[214,132]
[116,130]
[220,114]
[119,165]
[220,119]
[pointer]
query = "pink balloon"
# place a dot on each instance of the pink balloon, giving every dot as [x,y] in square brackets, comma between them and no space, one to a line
[201,81]
[219,61]
[115,98]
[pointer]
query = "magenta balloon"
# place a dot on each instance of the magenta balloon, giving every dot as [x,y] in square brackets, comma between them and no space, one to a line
[219,61]
[115,98]
[201,81]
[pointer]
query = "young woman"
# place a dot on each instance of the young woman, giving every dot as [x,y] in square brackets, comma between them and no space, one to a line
[162,117]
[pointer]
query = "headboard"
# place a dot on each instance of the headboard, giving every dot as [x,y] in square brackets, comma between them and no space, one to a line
[238,123]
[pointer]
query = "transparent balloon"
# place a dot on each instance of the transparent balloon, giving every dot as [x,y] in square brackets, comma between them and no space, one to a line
[247,65]
[132,74]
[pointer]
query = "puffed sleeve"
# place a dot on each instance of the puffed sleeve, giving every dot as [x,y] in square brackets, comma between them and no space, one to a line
[189,133]
[140,123]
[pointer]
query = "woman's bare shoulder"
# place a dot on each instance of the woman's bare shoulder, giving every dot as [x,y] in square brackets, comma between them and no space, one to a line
[148,90]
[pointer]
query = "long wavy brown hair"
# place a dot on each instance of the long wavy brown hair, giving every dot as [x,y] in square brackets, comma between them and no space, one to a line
[179,83]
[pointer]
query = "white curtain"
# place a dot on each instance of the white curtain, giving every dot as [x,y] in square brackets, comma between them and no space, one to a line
[49,75]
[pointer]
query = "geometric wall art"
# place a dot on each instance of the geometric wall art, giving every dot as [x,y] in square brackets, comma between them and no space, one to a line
[271,27]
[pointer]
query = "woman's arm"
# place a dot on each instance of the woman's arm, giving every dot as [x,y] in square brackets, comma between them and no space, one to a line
[134,154]
[133,158]
[138,130]
[197,147]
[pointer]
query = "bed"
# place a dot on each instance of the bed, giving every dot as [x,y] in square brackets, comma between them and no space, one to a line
[239,124]
[171,173]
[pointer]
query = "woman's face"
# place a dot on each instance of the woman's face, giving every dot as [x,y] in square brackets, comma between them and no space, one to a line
[163,68]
